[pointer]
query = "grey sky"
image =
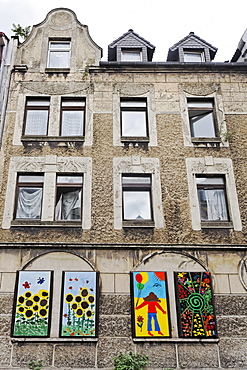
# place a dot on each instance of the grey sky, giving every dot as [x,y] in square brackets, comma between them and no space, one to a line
[163,23]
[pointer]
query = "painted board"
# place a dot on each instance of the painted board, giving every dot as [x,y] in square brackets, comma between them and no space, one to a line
[196,316]
[150,308]
[32,306]
[79,304]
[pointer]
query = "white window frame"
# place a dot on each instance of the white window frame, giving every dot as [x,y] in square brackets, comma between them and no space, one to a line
[121,92]
[197,52]
[54,116]
[137,165]
[50,165]
[129,50]
[220,123]
[68,50]
[212,166]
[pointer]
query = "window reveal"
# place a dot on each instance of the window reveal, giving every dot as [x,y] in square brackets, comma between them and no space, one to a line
[137,198]
[68,197]
[36,116]
[202,118]
[133,118]
[29,196]
[73,115]
[212,198]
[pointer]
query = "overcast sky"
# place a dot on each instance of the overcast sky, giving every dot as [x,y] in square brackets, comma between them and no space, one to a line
[161,22]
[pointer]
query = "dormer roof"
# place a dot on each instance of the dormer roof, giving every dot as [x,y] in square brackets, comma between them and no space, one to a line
[191,43]
[240,54]
[130,40]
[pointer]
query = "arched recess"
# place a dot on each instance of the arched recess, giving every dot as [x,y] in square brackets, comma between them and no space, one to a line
[57,262]
[170,262]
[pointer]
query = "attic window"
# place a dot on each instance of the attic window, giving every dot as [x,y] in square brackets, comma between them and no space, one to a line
[59,54]
[194,56]
[131,55]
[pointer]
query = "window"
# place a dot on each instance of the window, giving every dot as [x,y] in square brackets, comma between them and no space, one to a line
[29,196]
[194,56]
[36,116]
[137,198]
[212,198]
[131,55]
[68,197]
[59,54]
[73,115]
[133,119]
[202,118]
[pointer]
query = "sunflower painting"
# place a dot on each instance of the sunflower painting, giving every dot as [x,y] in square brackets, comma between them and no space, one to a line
[79,303]
[32,304]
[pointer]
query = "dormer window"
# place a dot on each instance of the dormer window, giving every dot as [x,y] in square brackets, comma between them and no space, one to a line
[194,56]
[59,54]
[131,55]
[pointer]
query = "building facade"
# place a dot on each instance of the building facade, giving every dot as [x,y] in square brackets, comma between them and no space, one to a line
[123,203]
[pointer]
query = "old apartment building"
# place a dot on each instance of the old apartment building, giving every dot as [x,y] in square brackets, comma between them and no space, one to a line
[123,202]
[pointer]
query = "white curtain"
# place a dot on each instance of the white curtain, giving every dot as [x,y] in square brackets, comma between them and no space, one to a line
[66,204]
[216,205]
[29,203]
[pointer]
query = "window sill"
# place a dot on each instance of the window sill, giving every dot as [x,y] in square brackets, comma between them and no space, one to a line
[216,225]
[135,139]
[178,340]
[39,223]
[141,223]
[206,141]
[66,141]
[57,70]
[54,340]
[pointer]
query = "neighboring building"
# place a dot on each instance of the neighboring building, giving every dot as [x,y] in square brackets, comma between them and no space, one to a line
[123,204]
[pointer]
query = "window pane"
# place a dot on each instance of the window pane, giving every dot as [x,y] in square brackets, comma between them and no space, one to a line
[210,180]
[132,56]
[202,124]
[134,104]
[68,206]
[193,57]
[69,179]
[59,45]
[38,103]
[137,205]
[72,123]
[200,104]
[212,204]
[31,178]
[136,180]
[59,59]
[36,122]
[134,124]
[73,103]
[29,203]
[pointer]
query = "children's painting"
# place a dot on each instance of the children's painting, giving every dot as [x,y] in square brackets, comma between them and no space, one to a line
[79,304]
[150,305]
[32,304]
[195,306]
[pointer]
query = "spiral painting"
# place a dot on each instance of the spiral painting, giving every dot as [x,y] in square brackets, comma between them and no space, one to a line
[195,306]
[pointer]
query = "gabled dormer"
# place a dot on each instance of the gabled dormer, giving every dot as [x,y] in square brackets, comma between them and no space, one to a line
[191,49]
[130,47]
[240,54]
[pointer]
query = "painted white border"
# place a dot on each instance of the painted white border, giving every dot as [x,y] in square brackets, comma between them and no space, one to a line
[50,165]
[212,166]
[137,165]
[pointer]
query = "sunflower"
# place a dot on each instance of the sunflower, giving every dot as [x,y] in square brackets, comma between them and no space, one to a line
[89,313]
[84,305]
[43,293]
[84,292]
[43,302]
[20,309]
[91,299]
[43,312]
[79,312]
[69,298]
[78,298]
[28,294]
[35,307]
[28,313]
[20,299]
[74,306]
[36,298]
[29,303]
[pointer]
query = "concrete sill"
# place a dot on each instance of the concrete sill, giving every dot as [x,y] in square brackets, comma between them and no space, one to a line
[217,225]
[57,70]
[54,340]
[141,223]
[206,141]
[38,223]
[134,139]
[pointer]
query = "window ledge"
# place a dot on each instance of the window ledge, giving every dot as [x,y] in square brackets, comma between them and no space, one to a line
[205,141]
[135,139]
[39,223]
[178,340]
[216,225]
[141,223]
[57,70]
[54,340]
[29,140]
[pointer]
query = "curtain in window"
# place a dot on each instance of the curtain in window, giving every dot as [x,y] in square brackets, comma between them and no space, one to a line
[72,124]
[69,206]
[29,203]
[216,205]
[36,123]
